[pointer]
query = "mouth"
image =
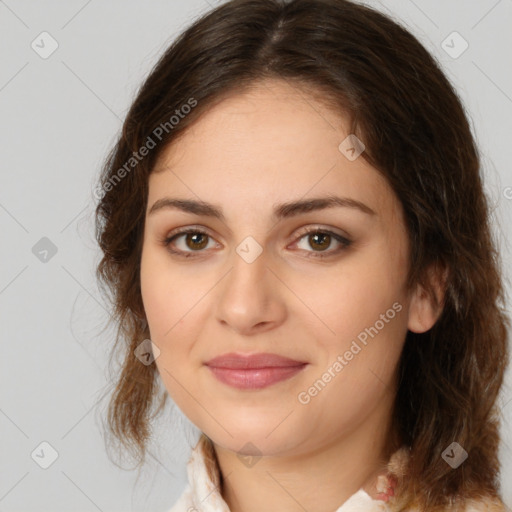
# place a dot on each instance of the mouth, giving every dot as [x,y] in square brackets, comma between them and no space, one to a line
[254,371]
[256,378]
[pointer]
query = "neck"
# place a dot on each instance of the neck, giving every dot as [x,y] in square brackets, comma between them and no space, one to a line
[318,478]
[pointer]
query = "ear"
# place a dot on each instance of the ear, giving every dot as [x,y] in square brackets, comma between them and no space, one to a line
[423,311]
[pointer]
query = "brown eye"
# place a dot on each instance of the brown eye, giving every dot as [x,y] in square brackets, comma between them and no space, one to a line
[196,241]
[192,241]
[319,240]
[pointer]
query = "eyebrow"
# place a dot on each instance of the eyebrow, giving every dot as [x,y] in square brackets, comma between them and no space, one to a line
[281,211]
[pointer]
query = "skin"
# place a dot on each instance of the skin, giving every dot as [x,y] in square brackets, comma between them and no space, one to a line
[273,144]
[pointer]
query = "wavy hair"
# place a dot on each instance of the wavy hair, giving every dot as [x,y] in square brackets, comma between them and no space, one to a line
[414,126]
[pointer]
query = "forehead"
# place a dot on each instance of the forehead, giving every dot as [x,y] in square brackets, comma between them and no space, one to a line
[270,144]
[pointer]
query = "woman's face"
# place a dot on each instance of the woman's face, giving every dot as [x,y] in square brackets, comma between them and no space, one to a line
[255,283]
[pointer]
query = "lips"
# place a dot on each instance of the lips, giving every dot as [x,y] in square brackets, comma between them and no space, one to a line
[252,362]
[252,372]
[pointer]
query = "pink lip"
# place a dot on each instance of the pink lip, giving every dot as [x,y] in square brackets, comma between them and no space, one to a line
[253,371]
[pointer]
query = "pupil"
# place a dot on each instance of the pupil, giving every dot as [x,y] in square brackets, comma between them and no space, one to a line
[194,236]
[322,236]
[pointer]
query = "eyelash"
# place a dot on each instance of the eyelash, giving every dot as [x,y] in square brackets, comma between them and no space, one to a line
[345,242]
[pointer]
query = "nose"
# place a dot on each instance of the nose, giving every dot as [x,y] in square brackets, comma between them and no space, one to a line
[251,297]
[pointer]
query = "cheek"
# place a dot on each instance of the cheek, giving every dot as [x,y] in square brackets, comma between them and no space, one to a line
[169,310]
[365,310]
[357,376]
[171,300]
[166,295]
[353,296]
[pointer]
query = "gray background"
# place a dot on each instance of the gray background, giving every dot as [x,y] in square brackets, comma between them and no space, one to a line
[58,118]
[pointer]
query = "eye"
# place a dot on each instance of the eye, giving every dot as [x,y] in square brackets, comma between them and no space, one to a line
[320,239]
[194,240]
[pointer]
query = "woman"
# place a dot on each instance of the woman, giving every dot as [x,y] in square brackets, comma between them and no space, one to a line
[295,232]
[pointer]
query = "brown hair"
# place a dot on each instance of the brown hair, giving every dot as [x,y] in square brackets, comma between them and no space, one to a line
[417,135]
